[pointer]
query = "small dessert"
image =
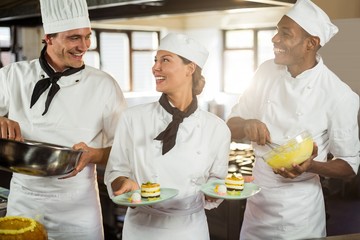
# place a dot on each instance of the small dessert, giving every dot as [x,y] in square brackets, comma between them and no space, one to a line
[150,191]
[220,189]
[12,227]
[234,184]
[135,198]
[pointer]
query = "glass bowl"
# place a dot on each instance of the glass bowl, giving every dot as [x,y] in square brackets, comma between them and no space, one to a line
[296,150]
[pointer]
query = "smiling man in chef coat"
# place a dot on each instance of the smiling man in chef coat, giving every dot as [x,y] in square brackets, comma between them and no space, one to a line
[290,94]
[57,99]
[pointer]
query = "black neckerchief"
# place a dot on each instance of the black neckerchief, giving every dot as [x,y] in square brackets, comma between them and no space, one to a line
[45,83]
[168,136]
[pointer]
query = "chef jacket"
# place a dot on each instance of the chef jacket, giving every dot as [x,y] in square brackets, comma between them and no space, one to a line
[317,101]
[86,109]
[200,155]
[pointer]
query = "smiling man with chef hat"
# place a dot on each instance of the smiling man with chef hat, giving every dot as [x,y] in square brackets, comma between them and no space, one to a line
[290,94]
[57,99]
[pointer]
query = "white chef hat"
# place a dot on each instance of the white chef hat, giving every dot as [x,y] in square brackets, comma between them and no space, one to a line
[186,47]
[313,20]
[63,15]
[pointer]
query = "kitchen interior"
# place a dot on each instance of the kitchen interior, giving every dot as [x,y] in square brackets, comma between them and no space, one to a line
[211,22]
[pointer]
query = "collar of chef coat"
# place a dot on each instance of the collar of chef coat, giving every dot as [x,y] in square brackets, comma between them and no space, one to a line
[309,72]
[185,127]
[64,81]
[306,77]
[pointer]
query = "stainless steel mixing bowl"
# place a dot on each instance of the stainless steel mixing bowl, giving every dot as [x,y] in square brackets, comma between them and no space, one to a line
[37,158]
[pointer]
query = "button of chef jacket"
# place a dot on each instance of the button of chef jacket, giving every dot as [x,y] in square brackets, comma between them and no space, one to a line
[158,144]
[198,180]
[193,181]
[299,114]
[282,228]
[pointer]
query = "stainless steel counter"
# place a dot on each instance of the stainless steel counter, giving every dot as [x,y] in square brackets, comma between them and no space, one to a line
[355,236]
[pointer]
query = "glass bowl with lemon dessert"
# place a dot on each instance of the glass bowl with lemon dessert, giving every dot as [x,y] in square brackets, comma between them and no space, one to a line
[294,151]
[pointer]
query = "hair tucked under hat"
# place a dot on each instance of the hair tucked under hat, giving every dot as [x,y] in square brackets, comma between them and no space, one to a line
[186,47]
[63,15]
[313,20]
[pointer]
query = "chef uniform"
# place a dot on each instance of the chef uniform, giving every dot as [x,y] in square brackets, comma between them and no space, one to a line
[317,101]
[199,155]
[86,109]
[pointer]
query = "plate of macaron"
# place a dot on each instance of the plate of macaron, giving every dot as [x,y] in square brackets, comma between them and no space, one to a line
[149,193]
[233,187]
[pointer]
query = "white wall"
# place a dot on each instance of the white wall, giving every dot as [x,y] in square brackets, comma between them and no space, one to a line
[342,53]
[340,9]
[30,42]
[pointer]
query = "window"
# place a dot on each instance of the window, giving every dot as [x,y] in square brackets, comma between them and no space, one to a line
[127,55]
[114,55]
[144,45]
[92,56]
[244,51]
[5,46]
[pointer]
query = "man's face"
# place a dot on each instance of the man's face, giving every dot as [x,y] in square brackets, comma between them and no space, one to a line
[289,43]
[66,49]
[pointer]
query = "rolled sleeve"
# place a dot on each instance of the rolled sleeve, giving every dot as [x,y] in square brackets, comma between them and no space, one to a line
[344,136]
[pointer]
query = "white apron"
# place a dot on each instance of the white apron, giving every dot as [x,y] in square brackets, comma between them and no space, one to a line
[61,205]
[293,210]
[152,224]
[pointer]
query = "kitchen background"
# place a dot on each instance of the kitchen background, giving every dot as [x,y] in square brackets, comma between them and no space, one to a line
[238,35]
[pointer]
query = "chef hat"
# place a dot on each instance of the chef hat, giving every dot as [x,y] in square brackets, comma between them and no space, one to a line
[313,20]
[184,46]
[63,15]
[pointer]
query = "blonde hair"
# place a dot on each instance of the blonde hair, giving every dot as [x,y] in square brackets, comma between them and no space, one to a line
[198,80]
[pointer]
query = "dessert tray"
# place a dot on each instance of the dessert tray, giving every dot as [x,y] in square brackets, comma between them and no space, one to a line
[250,189]
[124,199]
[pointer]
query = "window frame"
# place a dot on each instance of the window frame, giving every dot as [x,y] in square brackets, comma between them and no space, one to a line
[255,49]
[128,33]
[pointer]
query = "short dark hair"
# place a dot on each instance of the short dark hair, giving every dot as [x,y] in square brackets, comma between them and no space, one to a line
[50,35]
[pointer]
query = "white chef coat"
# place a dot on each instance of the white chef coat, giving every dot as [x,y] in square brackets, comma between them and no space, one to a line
[317,101]
[200,154]
[86,109]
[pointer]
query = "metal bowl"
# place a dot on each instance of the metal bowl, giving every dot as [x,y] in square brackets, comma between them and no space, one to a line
[296,150]
[37,158]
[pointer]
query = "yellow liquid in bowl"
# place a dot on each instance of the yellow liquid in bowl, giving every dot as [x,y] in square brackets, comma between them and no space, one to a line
[292,152]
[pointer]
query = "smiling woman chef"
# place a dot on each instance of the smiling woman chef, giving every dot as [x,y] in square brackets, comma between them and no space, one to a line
[57,99]
[172,142]
[290,94]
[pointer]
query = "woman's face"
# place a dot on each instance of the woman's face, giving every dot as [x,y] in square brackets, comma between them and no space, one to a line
[172,75]
[290,44]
